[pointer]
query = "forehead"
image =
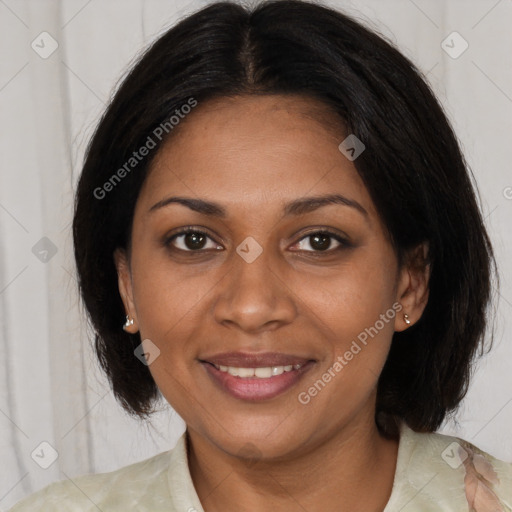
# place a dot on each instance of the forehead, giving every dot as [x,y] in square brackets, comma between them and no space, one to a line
[255,151]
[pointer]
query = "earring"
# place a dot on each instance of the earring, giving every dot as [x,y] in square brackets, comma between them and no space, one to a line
[128,323]
[406,319]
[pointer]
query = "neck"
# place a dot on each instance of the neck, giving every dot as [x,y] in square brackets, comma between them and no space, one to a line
[352,470]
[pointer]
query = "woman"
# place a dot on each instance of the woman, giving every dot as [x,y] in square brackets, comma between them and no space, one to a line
[276,230]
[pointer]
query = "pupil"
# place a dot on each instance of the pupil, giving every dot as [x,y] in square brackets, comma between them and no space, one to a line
[320,242]
[194,240]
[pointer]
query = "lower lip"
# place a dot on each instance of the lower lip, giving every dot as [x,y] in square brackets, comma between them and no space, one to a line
[253,388]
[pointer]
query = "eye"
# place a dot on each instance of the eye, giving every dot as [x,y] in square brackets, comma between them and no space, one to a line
[192,240]
[321,241]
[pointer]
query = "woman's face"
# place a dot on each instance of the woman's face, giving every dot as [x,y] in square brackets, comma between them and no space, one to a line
[262,289]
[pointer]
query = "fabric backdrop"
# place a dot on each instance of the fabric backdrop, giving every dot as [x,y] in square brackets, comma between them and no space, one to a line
[60,62]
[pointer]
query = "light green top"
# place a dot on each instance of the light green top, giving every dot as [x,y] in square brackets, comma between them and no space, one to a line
[434,473]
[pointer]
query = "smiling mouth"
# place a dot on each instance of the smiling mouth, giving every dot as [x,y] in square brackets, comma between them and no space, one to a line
[256,378]
[264,372]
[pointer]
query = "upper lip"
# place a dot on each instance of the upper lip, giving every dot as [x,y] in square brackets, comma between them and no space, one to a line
[254,360]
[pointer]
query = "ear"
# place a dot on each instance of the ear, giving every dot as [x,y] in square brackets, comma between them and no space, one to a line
[413,286]
[124,279]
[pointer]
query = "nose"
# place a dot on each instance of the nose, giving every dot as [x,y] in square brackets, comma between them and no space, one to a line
[254,296]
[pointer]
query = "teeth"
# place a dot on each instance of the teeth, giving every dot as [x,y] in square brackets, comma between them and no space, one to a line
[263,373]
[244,372]
[260,373]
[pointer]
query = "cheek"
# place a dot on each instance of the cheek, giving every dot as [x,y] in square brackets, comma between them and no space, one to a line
[167,300]
[169,308]
[353,309]
[358,329]
[350,298]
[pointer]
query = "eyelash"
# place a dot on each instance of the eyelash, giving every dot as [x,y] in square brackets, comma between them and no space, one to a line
[190,229]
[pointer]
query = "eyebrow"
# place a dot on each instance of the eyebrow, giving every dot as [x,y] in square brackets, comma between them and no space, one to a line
[296,207]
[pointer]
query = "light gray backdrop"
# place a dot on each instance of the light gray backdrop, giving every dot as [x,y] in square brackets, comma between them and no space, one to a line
[50,99]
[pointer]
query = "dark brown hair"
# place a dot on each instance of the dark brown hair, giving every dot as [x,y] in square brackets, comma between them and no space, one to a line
[412,167]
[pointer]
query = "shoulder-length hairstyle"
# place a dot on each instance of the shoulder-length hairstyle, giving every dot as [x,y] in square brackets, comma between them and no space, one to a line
[412,167]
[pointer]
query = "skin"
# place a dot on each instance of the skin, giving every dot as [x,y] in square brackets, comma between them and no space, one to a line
[252,155]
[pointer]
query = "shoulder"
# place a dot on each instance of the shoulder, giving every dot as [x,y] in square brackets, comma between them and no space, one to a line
[437,472]
[140,486]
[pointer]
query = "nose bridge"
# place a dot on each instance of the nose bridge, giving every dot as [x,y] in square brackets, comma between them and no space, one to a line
[253,294]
